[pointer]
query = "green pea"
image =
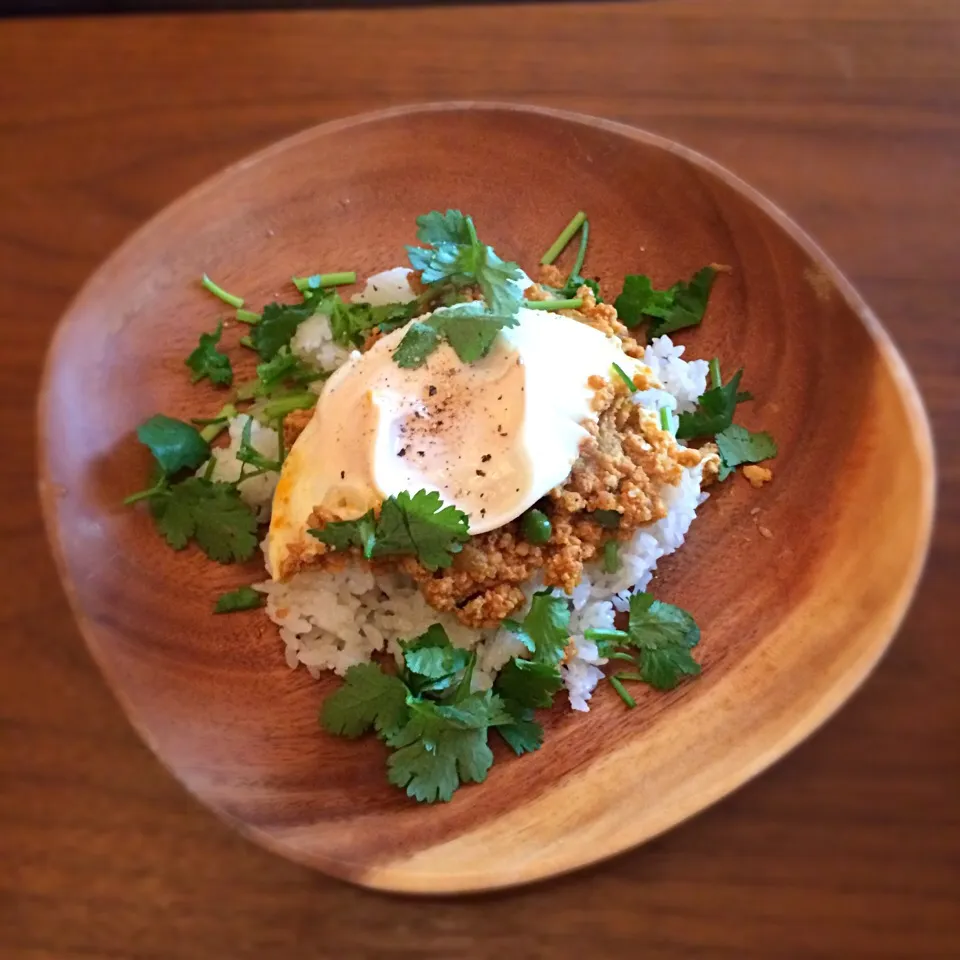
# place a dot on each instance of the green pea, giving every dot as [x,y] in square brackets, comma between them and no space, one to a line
[536,526]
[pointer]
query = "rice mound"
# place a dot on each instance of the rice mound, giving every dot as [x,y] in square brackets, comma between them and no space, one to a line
[333,620]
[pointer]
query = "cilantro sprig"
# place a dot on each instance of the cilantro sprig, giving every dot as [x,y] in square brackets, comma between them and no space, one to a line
[211,514]
[436,726]
[657,641]
[469,328]
[715,408]
[738,445]
[207,361]
[679,306]
[417,524]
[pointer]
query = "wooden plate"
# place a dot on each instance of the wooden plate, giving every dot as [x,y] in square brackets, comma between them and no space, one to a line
[792,622]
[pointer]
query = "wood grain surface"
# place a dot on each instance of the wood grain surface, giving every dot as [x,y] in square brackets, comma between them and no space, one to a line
[848,117]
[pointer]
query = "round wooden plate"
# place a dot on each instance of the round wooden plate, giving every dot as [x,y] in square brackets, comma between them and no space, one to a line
[798,588]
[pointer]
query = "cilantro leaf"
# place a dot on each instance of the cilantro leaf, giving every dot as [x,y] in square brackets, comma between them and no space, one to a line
[368,698]
[664,634]
[432,655]
[545,630]
[207,361]
[469,328]
[440,747]
[174,444]
[420,525]
[679,306]
[574,282]
[523,734]
[528,683]
[738,445]
[351,322]
[343,534]
[243,598]
[420,340]
[458,258]
[714,411]
[249,454]
[423,526]
[436,227]
[639,300]
[211,513]
[278,323]
[689,303]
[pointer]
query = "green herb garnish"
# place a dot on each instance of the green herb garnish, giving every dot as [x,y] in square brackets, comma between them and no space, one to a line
[715,409]
[208,512]
[468,328]
[572,303]
[207,361]
[611,556]
[243,598]
[369,698]
[607,518]
[675,308]
[278,324]
[622,374]
[174,444]
[566,235]
[419,525]
[545,631]
[323,281]
[738,445]
[658,640]
[457,258]
[218,291]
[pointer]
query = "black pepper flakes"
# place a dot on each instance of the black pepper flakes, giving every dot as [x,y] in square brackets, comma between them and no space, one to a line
[420,453]
[480,473]
[343,474]
[486,458]
[402,452]
[431,390]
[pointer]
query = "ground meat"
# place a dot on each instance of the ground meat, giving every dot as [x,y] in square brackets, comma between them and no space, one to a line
[757,475]
[710,458]
[622,466]
[551,276]
[294,424]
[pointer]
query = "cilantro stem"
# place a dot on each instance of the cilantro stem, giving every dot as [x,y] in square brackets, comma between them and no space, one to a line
[280,407]
[622,374]
[472,230]
[321,281]
[606,636]
[715,380]
[146,494]
[628,675]
[218,291]
[665,419]
[213,430]
[618,655]
[582,252]
[611,556]
[556,248]
[247,342]
[571,304]
[211,466]
[248,316]
[622,690]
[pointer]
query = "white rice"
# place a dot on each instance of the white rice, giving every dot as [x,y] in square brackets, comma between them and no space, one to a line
[313,341]
[333,620]
[258,491]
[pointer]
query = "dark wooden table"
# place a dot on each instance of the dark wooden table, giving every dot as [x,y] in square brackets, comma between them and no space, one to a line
[847,113]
